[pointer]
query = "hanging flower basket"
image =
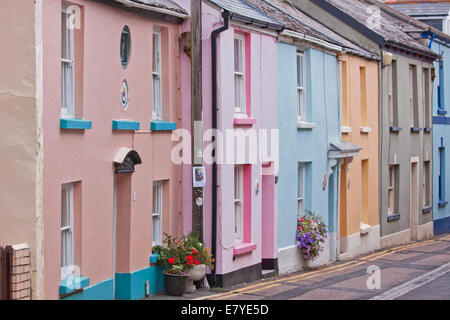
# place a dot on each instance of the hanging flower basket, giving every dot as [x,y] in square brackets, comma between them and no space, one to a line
[311,235]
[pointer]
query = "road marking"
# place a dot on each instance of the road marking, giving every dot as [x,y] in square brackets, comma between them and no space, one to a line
[312,274]
[275,281]
[413,284]
[306,276]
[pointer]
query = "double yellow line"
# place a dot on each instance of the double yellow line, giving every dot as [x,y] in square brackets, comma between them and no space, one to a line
[274,283]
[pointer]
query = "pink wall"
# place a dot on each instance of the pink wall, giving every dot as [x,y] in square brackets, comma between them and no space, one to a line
[263,104]
[87,156]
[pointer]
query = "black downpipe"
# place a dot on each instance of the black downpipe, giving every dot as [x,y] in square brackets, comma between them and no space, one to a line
[214,36]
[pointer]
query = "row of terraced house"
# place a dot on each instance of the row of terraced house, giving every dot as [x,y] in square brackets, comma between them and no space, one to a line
[346,100]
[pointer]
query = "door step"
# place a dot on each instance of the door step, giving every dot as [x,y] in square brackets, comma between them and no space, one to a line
[268,274]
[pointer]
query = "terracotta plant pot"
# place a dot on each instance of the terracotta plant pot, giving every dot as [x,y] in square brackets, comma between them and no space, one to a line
[197,273]
[175,285]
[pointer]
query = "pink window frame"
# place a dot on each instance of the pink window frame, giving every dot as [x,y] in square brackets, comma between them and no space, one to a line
[248,120]
[246,245]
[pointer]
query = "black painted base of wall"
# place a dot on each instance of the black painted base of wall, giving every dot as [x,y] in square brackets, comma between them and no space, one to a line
[442,226]
[240,276]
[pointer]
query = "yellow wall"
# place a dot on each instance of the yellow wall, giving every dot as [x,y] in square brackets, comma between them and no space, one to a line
[355,116]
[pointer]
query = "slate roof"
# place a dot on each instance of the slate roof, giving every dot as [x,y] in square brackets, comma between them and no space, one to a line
[241,10]
[423,8]
[297,21]
[412,25]
[392,29]
[170,5]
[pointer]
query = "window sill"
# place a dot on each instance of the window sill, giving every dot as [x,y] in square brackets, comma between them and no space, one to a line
[427,130]
[304,125]
[415,130]
[77,124]
[72,284]
[393,217]
[395,129]
[427,209]
[442,204]
[441,112]
[157,125]
[243,248]
[125,125]
[244,121]
[346,129]
[365,129]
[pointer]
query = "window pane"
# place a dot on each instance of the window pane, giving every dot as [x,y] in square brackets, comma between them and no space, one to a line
[157,108]
[156,53]
[300,181]
[237,55]
[237,184]
[300,71]
[64,209]
[64,39]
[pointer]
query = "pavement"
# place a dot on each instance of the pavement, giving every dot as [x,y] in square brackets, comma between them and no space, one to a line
[414,271]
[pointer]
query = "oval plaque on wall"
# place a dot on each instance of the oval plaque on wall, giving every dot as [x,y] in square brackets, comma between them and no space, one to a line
[125,100]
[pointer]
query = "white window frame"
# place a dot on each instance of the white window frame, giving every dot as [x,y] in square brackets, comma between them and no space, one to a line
[301,88]
[67,66]
[67,248]
[240,99]
[390,71]
[412,97]
[301,179]
[239,203]
[157,213]
[391,189]
[157,76]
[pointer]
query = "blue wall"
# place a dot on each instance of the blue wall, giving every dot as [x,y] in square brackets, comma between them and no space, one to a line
[305,145]
[100,291]
[441,215]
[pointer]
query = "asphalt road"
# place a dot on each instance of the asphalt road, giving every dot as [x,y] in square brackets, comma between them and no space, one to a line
[418,270]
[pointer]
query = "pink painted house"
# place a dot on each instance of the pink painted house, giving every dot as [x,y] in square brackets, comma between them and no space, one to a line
[109,188]
[240,214]
[107,83]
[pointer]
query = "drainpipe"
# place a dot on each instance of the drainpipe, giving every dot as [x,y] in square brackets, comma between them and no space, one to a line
[338,165]
[214,36]
[338,209]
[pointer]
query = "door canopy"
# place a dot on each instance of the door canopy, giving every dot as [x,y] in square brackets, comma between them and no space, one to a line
[125,160]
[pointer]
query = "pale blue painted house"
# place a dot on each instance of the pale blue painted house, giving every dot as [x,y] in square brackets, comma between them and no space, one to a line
[309,124]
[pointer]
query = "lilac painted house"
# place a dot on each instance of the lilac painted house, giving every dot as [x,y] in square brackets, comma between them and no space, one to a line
[240,101]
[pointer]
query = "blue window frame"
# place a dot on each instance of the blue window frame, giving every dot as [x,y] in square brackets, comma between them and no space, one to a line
[441,175]
[441,94]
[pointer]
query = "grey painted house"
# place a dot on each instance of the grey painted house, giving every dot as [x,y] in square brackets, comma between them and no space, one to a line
[436,14]
[405,73]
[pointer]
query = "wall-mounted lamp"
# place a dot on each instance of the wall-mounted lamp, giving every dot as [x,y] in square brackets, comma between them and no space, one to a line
[387,58]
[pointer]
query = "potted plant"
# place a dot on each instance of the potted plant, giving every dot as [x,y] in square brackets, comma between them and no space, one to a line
[175,258]
[311,234]
[200,258]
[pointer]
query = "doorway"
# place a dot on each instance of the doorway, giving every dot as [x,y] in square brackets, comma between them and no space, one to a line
[269,263]
[121,226]
[414,198]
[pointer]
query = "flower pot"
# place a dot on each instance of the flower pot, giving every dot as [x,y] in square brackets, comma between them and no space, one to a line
[175,285]
[197,273]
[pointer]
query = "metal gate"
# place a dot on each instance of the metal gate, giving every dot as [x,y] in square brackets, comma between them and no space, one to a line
[6,257]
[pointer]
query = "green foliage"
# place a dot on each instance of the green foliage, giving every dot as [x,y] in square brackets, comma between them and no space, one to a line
[179,256]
